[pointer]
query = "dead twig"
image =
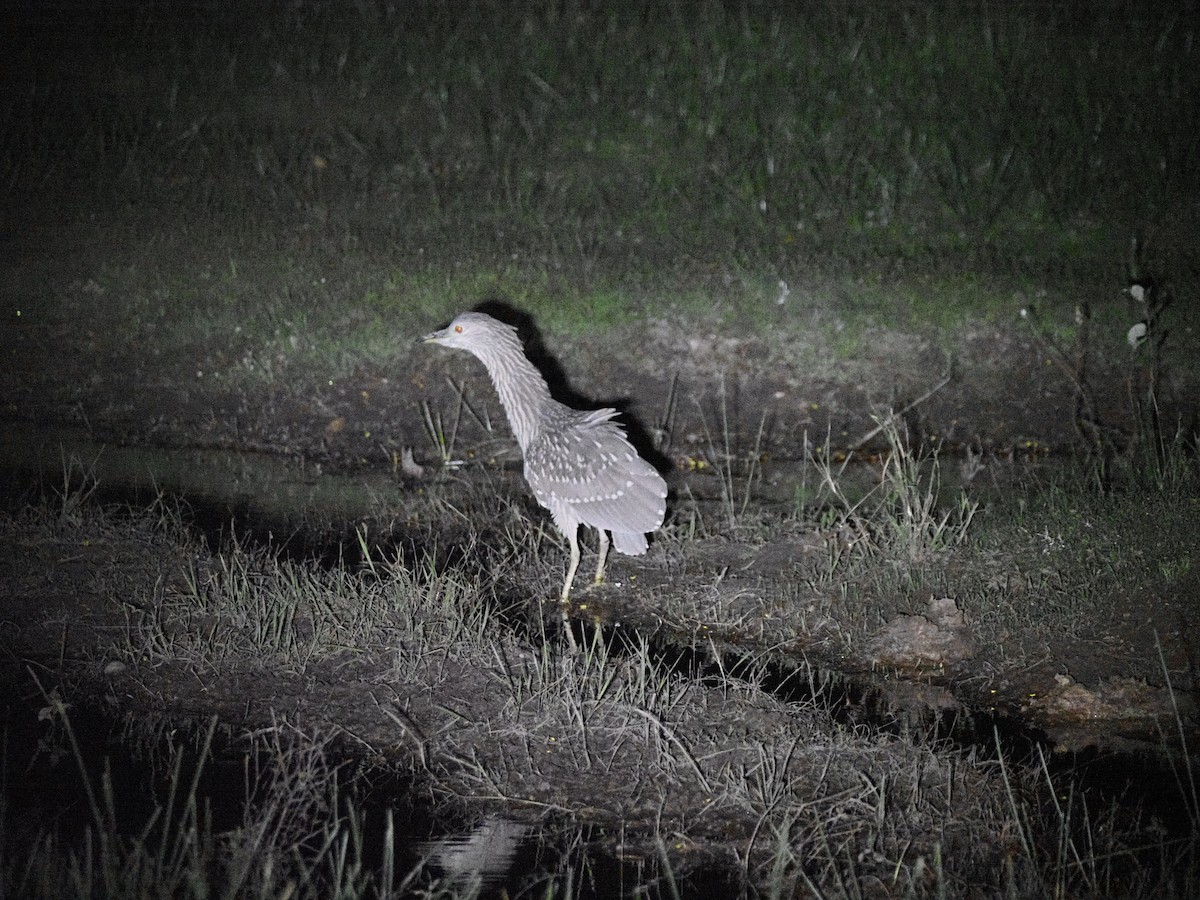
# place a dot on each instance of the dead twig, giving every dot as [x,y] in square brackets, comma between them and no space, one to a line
[891,417]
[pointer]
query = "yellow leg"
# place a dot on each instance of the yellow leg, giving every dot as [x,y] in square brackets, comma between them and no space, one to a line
[566,591]
[603,555]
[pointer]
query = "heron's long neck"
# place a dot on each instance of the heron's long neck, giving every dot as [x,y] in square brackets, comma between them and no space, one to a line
[522,390]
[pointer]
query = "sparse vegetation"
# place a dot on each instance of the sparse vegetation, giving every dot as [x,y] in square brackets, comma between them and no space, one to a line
[483,708]
[602,130]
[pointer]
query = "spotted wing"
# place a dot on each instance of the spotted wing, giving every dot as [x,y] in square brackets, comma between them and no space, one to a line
[584,470]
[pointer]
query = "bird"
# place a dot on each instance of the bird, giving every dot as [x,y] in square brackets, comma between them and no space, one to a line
[578,463]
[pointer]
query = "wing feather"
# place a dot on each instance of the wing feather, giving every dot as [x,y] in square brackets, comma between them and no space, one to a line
[584,469]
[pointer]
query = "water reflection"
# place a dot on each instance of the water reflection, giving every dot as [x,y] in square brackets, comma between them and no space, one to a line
[482,856]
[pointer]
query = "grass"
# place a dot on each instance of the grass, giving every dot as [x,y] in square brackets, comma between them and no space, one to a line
[769,137]
[905,510]
[489,710]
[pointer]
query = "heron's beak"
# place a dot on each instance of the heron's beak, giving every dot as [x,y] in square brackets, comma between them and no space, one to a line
[434,337]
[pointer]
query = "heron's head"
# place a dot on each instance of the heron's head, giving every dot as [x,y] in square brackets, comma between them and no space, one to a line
[472,331]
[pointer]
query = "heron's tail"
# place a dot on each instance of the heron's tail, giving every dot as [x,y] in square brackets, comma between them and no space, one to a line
[631,543]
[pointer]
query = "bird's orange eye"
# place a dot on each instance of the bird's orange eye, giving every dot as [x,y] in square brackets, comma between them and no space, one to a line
[458,329]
